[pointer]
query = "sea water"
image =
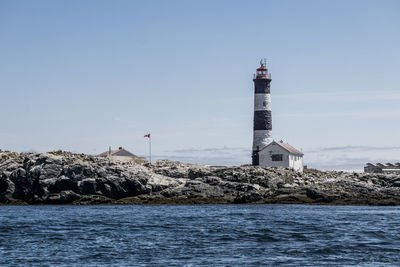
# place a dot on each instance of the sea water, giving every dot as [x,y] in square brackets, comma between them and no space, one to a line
[199,235]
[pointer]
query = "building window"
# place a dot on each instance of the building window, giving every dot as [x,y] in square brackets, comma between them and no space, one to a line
[276,157]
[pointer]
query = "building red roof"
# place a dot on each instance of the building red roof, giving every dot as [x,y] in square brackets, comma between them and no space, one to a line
[262,68]
[290,148]
[106,153]
[118,152]
[287,147]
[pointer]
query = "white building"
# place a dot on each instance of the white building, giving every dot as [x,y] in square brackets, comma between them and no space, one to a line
[280,154]
[389,168]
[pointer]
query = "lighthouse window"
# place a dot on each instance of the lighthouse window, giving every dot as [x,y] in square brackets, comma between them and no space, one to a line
[276,157]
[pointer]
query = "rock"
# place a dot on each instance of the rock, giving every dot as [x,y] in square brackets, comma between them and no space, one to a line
[64,197]
[319,195]
[63,183]
[7,188]
[248,197]
[87,186]
[67,178]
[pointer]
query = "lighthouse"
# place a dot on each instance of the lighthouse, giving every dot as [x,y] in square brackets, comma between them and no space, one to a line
[266,151]
[262,124]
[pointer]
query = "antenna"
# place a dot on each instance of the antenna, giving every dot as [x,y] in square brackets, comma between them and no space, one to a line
[263,62]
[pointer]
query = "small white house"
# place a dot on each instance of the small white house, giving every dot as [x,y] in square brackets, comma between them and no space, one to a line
[280,154]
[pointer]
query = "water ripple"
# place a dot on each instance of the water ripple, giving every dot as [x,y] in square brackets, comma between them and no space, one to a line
[218,235]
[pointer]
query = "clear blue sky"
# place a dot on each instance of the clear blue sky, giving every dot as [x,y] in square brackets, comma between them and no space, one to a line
[83,75]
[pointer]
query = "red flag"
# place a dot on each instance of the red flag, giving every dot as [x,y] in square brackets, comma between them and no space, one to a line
[147,135]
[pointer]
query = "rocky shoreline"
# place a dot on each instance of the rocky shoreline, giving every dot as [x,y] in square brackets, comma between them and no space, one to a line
[67,178]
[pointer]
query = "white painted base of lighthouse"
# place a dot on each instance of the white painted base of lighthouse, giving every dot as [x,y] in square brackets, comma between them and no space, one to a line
[261,138]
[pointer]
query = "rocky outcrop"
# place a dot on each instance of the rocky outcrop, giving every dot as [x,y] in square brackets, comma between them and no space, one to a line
[67,178]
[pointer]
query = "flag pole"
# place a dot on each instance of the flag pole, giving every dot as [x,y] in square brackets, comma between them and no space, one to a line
[150,146]
[149,136]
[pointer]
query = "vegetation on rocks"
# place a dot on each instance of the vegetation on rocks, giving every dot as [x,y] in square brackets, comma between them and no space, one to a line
[67,178]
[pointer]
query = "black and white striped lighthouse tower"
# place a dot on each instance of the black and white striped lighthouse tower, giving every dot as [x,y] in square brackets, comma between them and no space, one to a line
[262,130]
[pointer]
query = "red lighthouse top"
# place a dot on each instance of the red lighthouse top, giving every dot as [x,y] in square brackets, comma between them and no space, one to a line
[262,68]
[262,71]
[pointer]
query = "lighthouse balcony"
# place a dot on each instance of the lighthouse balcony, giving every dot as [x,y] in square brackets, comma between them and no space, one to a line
[262,76]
